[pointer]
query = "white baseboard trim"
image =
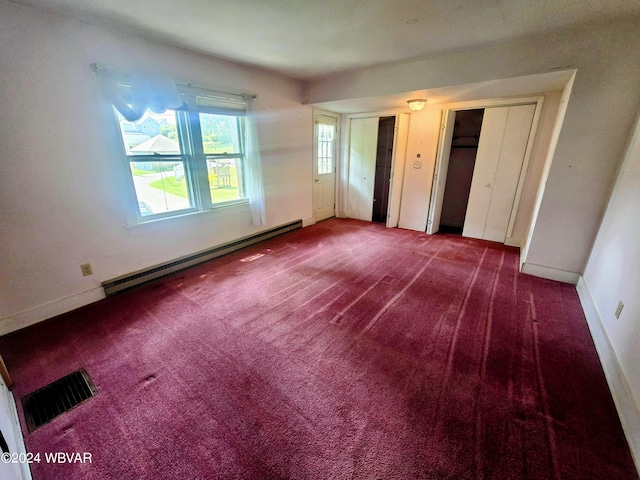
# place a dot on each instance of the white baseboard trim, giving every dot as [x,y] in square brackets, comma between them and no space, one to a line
[308,221]
[514,242]
[627,407]
[550,273]
[48,310]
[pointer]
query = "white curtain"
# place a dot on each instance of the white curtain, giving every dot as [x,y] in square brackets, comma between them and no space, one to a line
[133,97]
[255,190]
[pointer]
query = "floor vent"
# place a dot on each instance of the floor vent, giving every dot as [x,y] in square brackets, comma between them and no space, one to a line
[44,405]
[135,279]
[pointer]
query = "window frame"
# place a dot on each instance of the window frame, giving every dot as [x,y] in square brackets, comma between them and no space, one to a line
[194,160]
[241,156]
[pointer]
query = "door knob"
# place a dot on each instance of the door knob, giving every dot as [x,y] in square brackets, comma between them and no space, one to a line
[317,180]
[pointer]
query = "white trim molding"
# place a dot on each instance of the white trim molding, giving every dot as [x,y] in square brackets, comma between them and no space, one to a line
[514,242]
[620,391]
[550,273]
[40,313]
[13,435]
[307,222]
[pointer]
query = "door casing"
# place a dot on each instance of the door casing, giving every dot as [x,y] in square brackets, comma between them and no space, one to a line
[363,134]
[324,185]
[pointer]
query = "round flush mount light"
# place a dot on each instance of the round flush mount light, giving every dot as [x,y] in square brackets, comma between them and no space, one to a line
[417,104]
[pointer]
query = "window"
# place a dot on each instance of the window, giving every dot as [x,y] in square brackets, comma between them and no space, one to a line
[187,149]
[325,133]
[154,152]
[187,159]
[223,149]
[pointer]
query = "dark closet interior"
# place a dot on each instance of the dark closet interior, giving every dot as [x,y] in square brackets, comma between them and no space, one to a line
[384,156]
[464,147]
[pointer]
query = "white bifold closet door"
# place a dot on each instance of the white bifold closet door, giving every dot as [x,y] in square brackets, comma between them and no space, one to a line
[501,150]
[363,143]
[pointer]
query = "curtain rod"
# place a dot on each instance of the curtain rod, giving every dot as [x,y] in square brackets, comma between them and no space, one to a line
[98,68]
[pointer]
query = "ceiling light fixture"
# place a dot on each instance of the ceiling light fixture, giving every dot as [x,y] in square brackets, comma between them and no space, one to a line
[417,104]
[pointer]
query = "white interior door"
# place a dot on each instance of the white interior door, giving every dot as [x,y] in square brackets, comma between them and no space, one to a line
[501,150]
[397,168]
[363,141]
[514,146]
[10,430]
[324,166]
[440,175]
[484,172]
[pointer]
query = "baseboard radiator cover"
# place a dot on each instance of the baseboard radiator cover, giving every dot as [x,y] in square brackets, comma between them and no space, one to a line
[135,279]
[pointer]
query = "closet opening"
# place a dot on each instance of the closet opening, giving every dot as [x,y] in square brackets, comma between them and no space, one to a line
[464,148]
[384,158]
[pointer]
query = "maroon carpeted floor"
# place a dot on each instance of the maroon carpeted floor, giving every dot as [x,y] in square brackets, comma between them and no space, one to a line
[344,350]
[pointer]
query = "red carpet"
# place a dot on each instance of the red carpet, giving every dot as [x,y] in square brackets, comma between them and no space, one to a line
[344,350]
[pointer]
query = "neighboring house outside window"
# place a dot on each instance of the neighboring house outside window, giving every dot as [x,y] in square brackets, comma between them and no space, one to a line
[187,159]
[188,149]
[167,167]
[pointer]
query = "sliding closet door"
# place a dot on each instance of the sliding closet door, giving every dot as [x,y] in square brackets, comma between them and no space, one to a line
[399,155]
[514,146]
[440,177]
[363,143]
[484,171]
[501,151]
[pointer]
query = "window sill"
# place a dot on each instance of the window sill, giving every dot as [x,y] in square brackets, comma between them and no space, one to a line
[217,211]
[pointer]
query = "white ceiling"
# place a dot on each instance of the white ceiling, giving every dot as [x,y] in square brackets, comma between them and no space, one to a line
[305,39]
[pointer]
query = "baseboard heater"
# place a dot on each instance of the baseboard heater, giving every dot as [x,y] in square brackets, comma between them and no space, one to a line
[134,279]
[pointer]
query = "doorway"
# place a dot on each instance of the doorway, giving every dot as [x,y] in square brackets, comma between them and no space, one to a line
[384,158]
[324,166]
[498,172]
[462,159]
[376,156]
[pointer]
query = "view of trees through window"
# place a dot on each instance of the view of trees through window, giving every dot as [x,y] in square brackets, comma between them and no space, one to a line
[221,143]
[160,174]
[219,133]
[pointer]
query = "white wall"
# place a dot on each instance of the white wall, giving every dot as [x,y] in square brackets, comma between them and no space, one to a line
[599,116]
[612,275]
[535,170]
[60,195]
[424,129]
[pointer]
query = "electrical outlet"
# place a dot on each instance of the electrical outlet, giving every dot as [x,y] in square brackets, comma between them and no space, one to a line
[619,309]
[86,269]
